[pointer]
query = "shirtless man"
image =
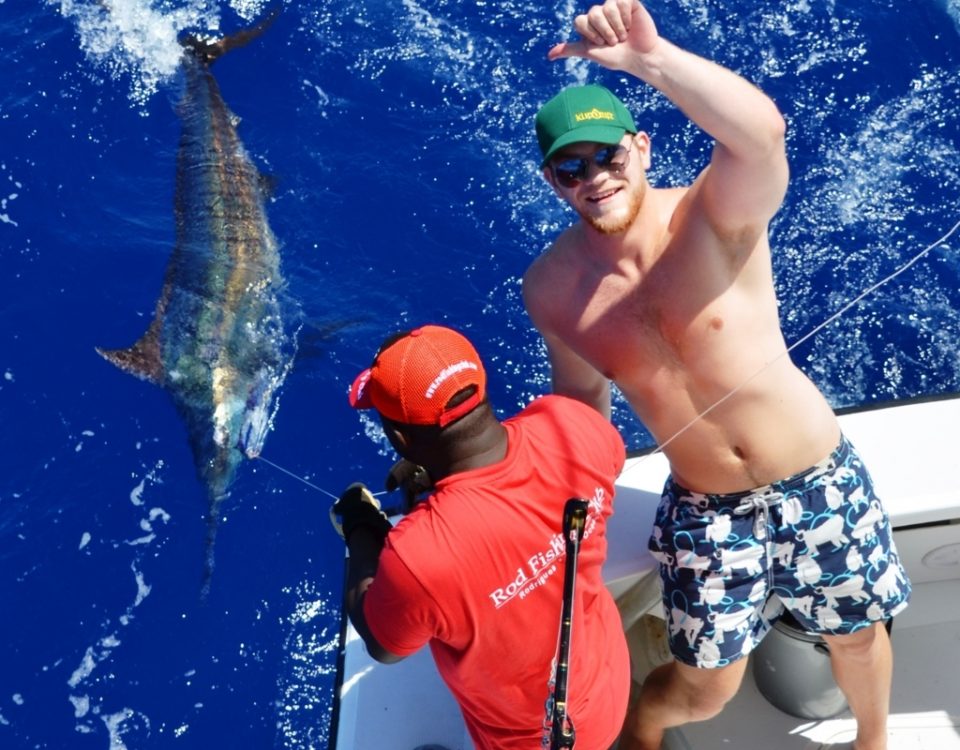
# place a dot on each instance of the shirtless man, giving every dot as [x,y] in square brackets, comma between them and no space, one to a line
[668,292]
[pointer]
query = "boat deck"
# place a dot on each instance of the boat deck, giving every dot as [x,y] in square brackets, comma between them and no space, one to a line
[910,450]
[925,700]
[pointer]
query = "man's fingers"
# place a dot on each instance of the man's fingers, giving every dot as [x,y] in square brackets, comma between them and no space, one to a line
[567,49]
[601,24]
[400,473]
[618,22]
[593,27]
[411,477]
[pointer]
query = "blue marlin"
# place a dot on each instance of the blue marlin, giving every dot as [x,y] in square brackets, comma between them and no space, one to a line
[217,342]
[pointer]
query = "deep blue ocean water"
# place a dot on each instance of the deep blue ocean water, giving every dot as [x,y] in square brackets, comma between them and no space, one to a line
[398,137]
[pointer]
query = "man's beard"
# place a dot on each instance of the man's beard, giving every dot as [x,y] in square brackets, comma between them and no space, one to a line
[620,222]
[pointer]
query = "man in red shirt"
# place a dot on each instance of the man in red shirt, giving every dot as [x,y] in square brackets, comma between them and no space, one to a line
[476,570]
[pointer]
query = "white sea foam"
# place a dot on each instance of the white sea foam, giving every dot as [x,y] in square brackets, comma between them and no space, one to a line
[87,703]
[81,705]
[15,186]
[310,656]
[953,10]
[136,40]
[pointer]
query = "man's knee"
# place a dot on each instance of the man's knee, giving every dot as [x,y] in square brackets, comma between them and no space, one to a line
[860,644]
[707,691]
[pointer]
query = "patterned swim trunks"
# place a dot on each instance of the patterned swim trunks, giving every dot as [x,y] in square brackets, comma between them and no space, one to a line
[818,543]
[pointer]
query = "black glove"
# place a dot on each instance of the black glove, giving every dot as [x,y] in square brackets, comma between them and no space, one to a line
[355,508]
[412,478]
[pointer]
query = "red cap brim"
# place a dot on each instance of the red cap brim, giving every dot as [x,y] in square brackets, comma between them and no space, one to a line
[359,393]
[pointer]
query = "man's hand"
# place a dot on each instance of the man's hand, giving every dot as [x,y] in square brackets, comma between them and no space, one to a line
[612,34]
[412,478]
[355,508]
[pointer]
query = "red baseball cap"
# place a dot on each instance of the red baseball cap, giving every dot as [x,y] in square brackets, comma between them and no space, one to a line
[413,378]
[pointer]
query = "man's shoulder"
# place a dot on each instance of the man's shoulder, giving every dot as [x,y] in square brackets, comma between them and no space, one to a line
[583,432]
[550,275]
[553,404]
[564,249]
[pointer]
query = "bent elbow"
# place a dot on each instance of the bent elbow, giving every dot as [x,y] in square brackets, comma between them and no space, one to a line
[380,654]
[595,395]
[776,134]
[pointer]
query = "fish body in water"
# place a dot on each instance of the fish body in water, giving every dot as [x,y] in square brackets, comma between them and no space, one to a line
[217,342]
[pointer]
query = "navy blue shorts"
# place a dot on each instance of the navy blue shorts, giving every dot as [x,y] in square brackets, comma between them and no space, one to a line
[818,543]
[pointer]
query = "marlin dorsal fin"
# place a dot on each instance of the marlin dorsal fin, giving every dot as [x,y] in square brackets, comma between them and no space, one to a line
[142,359]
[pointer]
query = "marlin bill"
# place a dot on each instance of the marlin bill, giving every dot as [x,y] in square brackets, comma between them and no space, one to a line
[217,342]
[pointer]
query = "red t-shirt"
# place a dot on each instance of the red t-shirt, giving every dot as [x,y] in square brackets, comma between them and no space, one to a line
[477,570]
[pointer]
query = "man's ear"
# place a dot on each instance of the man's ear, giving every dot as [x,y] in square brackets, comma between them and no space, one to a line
[402,440]
[395,434]
[641,142]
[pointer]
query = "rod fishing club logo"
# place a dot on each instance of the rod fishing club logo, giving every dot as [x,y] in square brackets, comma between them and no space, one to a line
[540,566]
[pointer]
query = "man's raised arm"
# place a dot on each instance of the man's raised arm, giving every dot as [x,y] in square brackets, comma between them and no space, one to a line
[748,173]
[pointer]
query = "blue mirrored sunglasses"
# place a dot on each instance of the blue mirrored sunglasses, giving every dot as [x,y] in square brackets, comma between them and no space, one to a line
[573,170]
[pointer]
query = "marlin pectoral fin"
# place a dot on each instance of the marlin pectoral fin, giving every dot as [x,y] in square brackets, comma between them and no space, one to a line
[142,359]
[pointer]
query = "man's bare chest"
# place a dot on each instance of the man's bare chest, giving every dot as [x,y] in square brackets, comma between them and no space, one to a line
[621,324]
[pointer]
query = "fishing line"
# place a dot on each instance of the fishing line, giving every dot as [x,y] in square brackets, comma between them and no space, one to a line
[870,290]
[309,484]
[659,449]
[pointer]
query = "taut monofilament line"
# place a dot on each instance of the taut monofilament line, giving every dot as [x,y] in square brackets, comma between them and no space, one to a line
[842,311]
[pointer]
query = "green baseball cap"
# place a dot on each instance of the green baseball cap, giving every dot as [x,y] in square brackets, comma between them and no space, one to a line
[581,114]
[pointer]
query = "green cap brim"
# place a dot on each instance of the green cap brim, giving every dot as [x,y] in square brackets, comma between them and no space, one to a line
[606,134]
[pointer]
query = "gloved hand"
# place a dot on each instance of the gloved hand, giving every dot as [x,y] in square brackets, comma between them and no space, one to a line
[355,508]
[412,478]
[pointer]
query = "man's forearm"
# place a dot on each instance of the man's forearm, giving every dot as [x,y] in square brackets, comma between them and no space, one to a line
[723,104]
[365,548]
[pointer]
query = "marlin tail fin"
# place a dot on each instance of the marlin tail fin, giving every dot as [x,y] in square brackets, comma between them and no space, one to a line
[208,50]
